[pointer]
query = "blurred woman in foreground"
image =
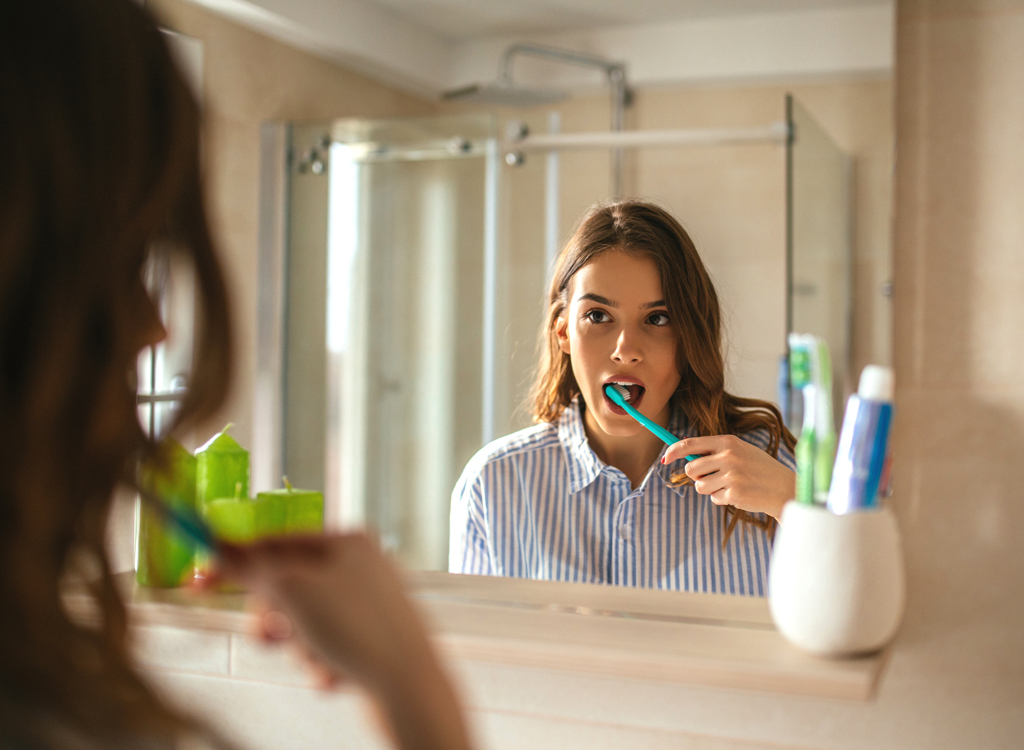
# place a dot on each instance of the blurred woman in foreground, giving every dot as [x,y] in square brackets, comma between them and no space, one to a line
[99,147]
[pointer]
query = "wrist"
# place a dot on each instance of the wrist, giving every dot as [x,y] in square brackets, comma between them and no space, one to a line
[422,707]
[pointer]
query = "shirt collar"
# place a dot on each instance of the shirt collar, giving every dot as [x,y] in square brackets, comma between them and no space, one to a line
[585,466]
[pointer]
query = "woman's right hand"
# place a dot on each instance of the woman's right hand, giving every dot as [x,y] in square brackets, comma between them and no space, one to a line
[345,605]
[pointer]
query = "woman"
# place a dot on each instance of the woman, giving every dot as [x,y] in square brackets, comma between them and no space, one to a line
[99,146]
[582,496]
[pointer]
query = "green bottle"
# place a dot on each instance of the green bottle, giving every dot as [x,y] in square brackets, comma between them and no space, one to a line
[164,556]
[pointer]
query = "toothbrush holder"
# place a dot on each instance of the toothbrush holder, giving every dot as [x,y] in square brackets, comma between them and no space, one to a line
[836,585]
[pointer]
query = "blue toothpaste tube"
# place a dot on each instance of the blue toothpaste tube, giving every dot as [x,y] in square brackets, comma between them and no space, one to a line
[863,443]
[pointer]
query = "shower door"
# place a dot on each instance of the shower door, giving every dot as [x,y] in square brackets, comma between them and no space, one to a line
[819,251]
[390,253]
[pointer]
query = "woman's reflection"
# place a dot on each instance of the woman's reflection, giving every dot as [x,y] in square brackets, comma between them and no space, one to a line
[588,494]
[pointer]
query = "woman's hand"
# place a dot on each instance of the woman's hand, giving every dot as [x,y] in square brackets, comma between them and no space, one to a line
[342,602]
[735,472]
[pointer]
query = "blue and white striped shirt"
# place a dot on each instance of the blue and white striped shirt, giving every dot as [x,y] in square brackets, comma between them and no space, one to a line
[540,504]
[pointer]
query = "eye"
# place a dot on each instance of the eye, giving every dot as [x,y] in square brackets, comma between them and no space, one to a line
[658,319]
[596,316]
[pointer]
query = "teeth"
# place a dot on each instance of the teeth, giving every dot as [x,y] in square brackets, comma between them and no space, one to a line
[623,389]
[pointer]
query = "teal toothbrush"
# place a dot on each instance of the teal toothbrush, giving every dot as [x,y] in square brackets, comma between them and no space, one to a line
[618,394]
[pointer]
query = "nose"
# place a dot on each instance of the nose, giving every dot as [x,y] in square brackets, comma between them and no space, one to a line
[627,348]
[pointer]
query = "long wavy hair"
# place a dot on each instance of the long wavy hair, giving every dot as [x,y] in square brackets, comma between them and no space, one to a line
[648,230]
[99,142]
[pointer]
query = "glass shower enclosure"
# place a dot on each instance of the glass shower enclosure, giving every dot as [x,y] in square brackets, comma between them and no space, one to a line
[399,312]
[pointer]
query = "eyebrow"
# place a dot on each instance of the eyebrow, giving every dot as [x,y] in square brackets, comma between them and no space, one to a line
[605,301]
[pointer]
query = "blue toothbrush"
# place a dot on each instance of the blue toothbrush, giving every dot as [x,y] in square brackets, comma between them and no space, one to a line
[188,522]
[619,394]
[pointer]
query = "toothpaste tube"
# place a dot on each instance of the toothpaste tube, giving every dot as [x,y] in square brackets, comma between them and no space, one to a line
[863,443]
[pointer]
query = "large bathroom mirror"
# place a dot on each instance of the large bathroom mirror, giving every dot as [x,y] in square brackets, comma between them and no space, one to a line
[404,265]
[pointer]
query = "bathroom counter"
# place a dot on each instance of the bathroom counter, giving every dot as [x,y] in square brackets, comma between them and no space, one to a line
[708,640]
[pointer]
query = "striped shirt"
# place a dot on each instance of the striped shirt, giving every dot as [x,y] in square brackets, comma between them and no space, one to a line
[540,504]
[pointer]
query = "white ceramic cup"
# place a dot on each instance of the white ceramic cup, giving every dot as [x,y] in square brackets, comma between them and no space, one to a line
[836,585]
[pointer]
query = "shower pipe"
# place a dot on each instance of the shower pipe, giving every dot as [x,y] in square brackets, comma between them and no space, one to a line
[615,72]
[775,133]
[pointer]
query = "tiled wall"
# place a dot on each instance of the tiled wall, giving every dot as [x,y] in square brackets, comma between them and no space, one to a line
[959,353]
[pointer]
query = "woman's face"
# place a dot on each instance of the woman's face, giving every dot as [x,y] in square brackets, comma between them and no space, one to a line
[616,329]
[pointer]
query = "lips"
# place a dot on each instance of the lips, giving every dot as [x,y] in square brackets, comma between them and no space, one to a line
[636,390]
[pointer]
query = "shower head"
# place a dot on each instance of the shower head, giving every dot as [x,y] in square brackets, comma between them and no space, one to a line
[504,95]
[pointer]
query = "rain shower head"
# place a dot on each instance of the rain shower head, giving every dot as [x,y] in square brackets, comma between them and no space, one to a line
[504,95]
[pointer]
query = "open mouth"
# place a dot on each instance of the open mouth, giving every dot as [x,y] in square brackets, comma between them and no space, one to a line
[635,393]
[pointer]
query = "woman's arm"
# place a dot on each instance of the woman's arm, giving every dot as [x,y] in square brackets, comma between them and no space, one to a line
[343,602]
[467,537]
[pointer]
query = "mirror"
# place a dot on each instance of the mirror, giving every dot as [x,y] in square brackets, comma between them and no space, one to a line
[416,256]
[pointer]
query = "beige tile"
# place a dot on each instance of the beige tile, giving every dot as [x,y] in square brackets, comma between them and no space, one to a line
[260,716]
[501,730]
[177,649]
[252,660]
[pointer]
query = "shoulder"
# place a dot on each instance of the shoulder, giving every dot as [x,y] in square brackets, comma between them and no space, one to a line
[511,448]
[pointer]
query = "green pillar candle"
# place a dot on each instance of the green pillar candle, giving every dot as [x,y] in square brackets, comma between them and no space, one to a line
[221,465]
[164,556]
[271,515]
[233,519]
[292,511]
[222,471]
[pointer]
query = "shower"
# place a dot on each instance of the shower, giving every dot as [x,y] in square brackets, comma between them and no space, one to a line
[506,93]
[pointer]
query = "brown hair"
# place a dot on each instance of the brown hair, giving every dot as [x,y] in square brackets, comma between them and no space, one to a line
[644,228]
[100,154]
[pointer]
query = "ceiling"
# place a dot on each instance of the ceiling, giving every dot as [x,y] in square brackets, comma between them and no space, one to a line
[429,46]
[463,20]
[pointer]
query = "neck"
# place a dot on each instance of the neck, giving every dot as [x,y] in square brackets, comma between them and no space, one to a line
[633,455]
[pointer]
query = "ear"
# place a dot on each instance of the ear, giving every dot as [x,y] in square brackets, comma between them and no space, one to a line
[562,333]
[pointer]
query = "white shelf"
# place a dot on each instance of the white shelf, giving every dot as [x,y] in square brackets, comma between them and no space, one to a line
[700,639]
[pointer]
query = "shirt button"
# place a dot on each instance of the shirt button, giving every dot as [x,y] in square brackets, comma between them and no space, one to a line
[624,531]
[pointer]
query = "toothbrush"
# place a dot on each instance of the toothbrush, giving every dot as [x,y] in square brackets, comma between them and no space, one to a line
[620,395]
[811,372]
[187,521]
[824,425]
[801,376]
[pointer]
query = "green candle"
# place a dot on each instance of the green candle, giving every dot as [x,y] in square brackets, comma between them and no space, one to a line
[232,518]
[291,511]
[221,464]
[222,471]
[164,556]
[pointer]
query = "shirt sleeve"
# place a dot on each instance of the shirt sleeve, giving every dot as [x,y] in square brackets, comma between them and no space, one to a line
[467,546]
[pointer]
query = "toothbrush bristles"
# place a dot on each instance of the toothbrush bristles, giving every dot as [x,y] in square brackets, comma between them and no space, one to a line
[623,391]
